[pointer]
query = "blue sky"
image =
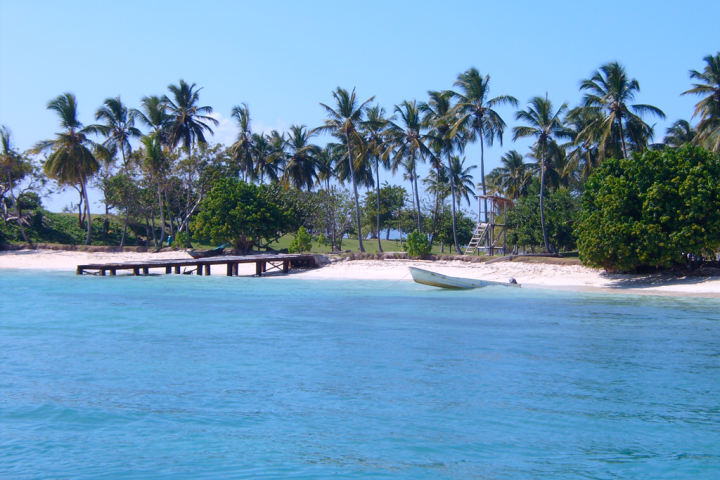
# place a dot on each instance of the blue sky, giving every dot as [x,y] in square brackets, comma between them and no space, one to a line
[283,58]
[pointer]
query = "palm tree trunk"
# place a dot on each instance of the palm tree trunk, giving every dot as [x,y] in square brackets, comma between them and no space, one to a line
[622,138]
[357,202]
[170,217]
[542,195]
[125,197]
[88,218]
[162,215]
[417,196]
[377,180]
[452,202]
[482,171]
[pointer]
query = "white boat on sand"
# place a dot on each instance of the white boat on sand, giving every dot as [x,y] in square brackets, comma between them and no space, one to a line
[443,281]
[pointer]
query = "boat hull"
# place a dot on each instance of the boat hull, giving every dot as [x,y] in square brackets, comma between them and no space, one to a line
[426,277]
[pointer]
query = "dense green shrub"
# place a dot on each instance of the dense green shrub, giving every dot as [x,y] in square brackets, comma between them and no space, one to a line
[651,209]
[302,242]
[417,244]
[243,214]
[464,225]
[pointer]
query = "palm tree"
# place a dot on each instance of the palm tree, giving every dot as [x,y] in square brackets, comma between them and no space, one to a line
[12,165]
[406,143]
[680,133]
[439,118]
[544,123]
[300,158]
[70,162]
[462,179]
[188,122]
[265,157]
[375,127]
[242,147]
[155,161]
[609,91]
[583,152]
[119,129]
[708,109]
[342,121]
[477,116]
[512,178]
[330,156]
[153,114]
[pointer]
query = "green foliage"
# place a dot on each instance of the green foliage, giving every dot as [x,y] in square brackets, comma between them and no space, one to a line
[463,223]
[650,209]
[561,210]
[323,241]
[243,214]
[181,240]
[417,245]
[392,200]
[302,242]
[46,227]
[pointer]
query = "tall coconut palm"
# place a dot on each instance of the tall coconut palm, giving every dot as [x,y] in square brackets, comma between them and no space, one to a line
[265,157]
[708,109]
[153,114]
[119,129]
[300,158]
[156,162]
[477,116]
[343,121]
[609,91]
[462,179]
[680,133]
[375,130]
[439,118]
[12,166]
[512,178]
[71,162]
[241,149]
[406,145]
[330,156]
[544,123]
[583,151]
[188,122]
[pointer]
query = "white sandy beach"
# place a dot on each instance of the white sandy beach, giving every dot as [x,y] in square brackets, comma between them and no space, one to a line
[530,275]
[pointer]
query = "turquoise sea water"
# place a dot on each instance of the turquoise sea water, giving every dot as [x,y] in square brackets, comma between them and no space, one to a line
[216,377]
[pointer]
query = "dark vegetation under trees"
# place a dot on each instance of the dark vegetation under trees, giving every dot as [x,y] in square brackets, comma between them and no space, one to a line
[169,182]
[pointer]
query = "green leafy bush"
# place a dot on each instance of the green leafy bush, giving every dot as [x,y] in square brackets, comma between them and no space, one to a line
[651,209]
[417,244]
[302,242]
[181,240]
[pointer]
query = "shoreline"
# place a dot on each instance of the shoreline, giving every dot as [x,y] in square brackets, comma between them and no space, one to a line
[531,275]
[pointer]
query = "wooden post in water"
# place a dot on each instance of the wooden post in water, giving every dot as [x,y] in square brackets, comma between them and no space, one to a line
[286,266]
[235,269]
[168,270]
[146,271]
[199,270]
[113,272]
[207,269]
[229,269]
[79,271]
[102,272]
[258,269]
[177,270]
[136,271]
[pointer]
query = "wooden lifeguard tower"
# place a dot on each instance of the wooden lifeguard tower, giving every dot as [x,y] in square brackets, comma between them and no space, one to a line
[486,235]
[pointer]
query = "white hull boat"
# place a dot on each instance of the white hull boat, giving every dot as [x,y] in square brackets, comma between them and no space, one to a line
[433,279]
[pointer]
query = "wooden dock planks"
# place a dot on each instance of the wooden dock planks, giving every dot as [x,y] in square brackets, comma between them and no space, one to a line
[282,262]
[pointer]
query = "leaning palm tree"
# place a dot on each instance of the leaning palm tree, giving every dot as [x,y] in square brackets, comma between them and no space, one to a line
[375,130]
[477,116]
[12,166]
[188,122]
[300,158]
[343,121]
[241,149]
[406,146]
[708,109]
[544,124]
[119,129]
[679,134]
[609,91]
[71,162]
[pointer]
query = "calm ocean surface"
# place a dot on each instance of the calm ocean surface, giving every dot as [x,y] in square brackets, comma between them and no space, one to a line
[216,377]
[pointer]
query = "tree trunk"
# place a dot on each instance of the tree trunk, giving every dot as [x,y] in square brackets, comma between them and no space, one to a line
[622,138]
[417,198]
[542,194]
[125,198]
[452,202]
[357,202]
[170,217]
[162,215]
[88,218]
[17,209]
[377,181]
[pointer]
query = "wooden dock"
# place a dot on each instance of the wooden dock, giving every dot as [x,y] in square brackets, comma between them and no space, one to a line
[263,263]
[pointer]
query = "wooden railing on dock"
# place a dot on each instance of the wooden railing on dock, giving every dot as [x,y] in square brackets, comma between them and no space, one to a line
[279,262]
